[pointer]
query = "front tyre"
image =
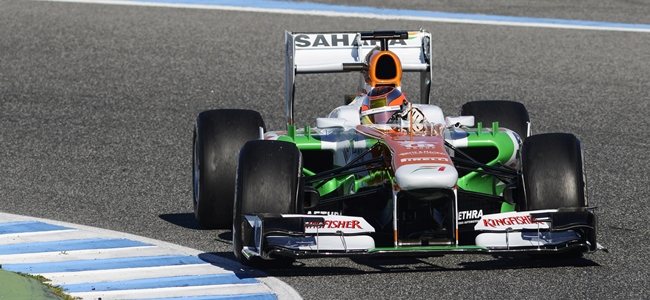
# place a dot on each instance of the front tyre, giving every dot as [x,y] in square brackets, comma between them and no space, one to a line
[218,137]
[552,172]
[268,181]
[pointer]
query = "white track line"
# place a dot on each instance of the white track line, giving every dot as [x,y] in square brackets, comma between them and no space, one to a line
[84,254]
[43,236]
[475,19]
[129,274]
[176,292]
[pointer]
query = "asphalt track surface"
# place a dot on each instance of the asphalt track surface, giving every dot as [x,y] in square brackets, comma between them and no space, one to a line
[98,104]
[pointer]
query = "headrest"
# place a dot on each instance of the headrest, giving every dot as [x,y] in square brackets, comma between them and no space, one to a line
[384,68]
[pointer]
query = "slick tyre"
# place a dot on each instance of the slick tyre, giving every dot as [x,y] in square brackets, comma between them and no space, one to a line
[509,114]
[552,172]
[218,137]
[268,181]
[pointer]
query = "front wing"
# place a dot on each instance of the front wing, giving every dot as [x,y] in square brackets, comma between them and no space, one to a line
[307,236]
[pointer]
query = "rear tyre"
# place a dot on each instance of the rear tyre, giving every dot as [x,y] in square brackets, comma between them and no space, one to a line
[509,114]
[552,172]
[218,136]
[268,181]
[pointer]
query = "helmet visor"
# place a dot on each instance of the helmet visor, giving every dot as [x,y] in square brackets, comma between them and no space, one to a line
[379,115]
[381,118]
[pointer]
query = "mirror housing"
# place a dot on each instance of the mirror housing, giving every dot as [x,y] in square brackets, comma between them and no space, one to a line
[311,199]
[459,121]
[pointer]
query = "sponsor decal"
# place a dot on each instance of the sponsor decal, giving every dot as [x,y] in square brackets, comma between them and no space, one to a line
[350,151]
[336,224]
[324,213]
[419,145]
[439,168]
[337,40]
[469,216]
[347,152]
[508,221]
[422,152]
[425,159]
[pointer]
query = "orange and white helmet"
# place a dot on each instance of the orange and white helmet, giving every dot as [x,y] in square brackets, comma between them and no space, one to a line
[380,105]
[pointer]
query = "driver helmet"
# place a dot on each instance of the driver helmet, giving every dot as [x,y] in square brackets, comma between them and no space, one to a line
[380,105]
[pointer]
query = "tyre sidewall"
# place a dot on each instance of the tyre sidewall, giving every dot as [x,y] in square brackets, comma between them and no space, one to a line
[219,135]
[552,172]
[268,181]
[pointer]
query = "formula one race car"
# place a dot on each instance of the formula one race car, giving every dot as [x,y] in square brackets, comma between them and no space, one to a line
[382,176]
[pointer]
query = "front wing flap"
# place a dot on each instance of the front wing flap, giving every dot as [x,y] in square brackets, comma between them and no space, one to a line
[542,229]
[304,234]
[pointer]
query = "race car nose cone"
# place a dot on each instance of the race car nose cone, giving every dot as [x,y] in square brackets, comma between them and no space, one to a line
[416,176]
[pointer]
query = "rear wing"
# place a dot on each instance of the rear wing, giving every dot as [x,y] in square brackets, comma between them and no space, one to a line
[333,52]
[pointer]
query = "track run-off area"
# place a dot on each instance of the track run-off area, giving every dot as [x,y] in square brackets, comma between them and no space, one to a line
[93,263]
[98,100]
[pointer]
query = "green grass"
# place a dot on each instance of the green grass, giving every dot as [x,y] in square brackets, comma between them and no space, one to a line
[57,290]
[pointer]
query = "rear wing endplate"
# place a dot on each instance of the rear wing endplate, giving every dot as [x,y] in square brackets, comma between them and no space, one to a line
[333,52]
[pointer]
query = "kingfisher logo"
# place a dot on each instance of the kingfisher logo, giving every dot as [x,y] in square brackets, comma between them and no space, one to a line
[508,221]
[337,224]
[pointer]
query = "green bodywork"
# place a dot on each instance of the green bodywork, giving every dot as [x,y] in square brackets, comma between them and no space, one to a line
[479,137]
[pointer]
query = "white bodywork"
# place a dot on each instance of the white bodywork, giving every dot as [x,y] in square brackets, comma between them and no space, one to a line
[518,229]
[334,233]
[411,177]
[518,239]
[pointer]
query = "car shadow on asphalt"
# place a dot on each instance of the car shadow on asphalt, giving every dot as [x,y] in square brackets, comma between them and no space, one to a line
[528,262]
[185,220]
[414,265]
